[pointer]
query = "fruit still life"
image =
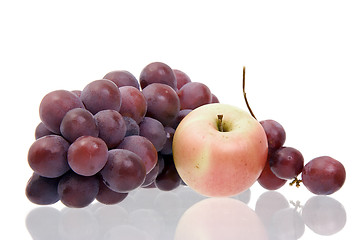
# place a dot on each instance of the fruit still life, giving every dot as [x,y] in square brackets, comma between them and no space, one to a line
[161,131]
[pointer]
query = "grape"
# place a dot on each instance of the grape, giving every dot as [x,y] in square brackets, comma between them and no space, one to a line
[77,92]
[180,117]
[323,175]
[193,95]
[108,196]
[287,163]
[151,176]
[214,99]
[168,179]
[124,171]
[101,95]
[157,72]
[122,78]
[47,156]
[275,133]
[132,128]
[112,127]
[87,155]
[41,190]
[269,180]
[78,122]
[55,105]
[41,131]
[153,130]
[181,78]
[78,191]
[143,148]
[163,103]
[133,103]
[167,149]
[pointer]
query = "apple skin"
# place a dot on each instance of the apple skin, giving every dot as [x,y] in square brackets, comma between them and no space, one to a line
[215,163]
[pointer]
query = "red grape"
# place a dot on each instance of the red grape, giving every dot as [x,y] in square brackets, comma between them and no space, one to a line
[157,72]
[180,117]
[78,122]
[108,196]
[78,191]
[101,95]
[143,148]
[214,99]
[87,155]
[124,171]
[323,175]
[275,133]
[55,105]
[133,103]
[41,131]
[112,127]
[41,190]
[151,176]
[269,180]
[287,163]
[181,78]
[122,78]
[193,95]
[132,128]
[47,156]
[153,130]
[168,179]
[167,149]
[163,103]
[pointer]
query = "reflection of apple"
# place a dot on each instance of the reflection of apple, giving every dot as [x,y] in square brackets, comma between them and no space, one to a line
[215,162]
[220,218]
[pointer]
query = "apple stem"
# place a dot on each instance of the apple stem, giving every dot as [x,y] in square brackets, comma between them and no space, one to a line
[244,93]
[220,122]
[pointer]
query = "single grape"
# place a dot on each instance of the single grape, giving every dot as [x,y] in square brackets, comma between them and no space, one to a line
[122,78]
[108,196]
[47,156]
[179,117]
[323,175]
[168,179]
[153,130]
[132,128]
[167,149]
[287,163]
[214,99]
[41,190]
[275,133]
[101,95]
[41,131]
[124,171]
[193,95]
[55,105]
[143,148]
[78,122]
[78,191]
[157,72]
[163,103]
[87,155]
[133,103]
[269,180]
[112,127]
[181,78]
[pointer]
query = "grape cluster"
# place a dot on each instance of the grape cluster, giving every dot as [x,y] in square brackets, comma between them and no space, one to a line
[112,137]
[322,175]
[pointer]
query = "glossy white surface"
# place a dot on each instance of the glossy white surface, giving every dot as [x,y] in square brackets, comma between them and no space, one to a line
[302,60]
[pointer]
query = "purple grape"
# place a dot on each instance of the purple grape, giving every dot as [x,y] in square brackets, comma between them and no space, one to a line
[275,134]
[122,78]
[124,171]
[41,190]
[108,196]
[78,122]
[55,105]
[167,149]
[47,156]
[193,95]
[269,180]
[157,72]
[181,78]
[323,175]
[151,176]
[101,95]
[41,131]
[163,103]
[214,99]
[78,191]
[180,117]
[287,163]
[153,130]
[133,103]
[112,127]
[132,128]
[87,155]
[168,179]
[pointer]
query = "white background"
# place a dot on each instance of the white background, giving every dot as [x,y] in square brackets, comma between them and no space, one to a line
[302,60]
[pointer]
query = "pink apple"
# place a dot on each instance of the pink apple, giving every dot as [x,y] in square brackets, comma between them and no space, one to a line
[219,163]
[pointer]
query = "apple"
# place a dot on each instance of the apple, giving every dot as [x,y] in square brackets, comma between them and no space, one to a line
[219,150]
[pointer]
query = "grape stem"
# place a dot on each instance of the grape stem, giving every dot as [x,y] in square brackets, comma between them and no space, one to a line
[220,122]
[244,93]
[296,181]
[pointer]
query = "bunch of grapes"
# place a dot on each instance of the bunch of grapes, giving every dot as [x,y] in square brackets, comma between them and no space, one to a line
[322,175]
[112,137]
